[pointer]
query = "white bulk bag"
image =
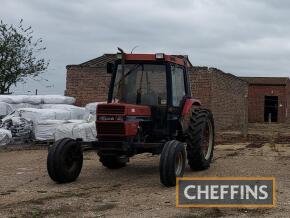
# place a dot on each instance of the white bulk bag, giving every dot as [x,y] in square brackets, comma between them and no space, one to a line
[5,109]
[32,99]
[85,131]
[92,107]
[17,99]
[5,98]
[37,99]
[77,113]
[57,99]
[11,99]
[44,114]
[5,137]
[25,105]
[45,129]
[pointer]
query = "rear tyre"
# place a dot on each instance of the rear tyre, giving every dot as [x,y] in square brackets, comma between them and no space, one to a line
[172,162]
[200,139]
[64,160]
[113,161]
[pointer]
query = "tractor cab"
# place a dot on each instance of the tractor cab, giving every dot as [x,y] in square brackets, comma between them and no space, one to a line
[157,81]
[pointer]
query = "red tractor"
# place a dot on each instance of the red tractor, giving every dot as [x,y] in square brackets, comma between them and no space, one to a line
[149,110]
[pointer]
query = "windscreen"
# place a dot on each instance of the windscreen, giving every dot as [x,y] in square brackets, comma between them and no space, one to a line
[143,84]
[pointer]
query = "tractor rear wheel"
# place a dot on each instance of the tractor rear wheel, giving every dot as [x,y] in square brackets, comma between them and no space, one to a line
[200,139]
[113,161]
[172,162]
[64,160]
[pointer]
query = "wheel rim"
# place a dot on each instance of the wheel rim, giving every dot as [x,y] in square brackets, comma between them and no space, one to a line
[207,143]
[178,164]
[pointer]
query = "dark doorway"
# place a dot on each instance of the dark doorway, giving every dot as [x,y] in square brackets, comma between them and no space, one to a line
[271,108]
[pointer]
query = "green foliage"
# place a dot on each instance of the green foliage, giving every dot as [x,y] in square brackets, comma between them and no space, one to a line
[18,55]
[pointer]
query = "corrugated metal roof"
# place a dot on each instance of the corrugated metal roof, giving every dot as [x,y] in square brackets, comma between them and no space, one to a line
[266,80]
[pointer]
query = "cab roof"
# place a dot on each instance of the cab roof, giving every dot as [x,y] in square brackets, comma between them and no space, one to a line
[102,61]
[156,57]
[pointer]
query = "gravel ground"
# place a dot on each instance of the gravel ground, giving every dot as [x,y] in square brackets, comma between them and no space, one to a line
[134,191]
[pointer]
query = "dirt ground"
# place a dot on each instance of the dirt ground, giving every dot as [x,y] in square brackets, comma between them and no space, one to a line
[134,191]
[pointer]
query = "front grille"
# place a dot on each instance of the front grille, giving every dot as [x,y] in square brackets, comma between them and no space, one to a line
[110,128]
[110,109]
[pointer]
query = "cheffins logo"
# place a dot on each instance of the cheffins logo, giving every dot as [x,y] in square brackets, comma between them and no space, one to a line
[226,192]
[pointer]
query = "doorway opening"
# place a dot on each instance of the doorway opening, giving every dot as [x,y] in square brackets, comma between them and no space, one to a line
[271,108]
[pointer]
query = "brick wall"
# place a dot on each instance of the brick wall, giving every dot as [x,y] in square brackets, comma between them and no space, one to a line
[200,82]
[87,84]
[257,95]
[287,105]
[229,100]
[224,94]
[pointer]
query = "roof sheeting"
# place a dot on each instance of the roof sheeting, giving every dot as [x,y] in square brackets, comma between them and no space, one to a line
[99,61]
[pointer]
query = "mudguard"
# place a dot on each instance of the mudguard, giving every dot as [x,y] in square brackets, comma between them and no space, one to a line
[185,115]
[187,105]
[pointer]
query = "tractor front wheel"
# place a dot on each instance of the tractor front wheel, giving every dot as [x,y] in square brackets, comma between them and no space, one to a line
[64,160]
[172,162]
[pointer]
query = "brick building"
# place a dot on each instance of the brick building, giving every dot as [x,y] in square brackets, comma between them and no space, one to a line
[223,93]
[268,99]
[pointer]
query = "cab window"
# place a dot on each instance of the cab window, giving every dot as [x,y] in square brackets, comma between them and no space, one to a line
[178,87]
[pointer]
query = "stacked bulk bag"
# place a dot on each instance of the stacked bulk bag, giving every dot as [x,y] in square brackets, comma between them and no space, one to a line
[85,131]
[45,118]
[44,114]
[92,107]
[19,127]
[5,137]
[57,99]
[76,113]
[12,99]
[44,129]
[44,121]
[18,99]
[37,99]
[5,109]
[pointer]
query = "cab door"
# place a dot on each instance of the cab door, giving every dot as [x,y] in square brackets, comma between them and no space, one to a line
[178,92]
[178,88]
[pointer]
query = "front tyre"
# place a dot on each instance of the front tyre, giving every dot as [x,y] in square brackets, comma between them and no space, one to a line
[200,139]
[64,160]
[172,162]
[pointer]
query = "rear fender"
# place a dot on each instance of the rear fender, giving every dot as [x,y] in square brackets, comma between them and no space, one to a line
[185,115]
[187,105]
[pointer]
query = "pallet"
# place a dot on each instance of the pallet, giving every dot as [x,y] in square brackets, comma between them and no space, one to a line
[46,143]
[20,140]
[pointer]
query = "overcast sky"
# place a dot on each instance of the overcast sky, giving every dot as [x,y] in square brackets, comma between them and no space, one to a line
[243,37]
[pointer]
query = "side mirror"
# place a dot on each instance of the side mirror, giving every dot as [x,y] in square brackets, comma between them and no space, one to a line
[110,68]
